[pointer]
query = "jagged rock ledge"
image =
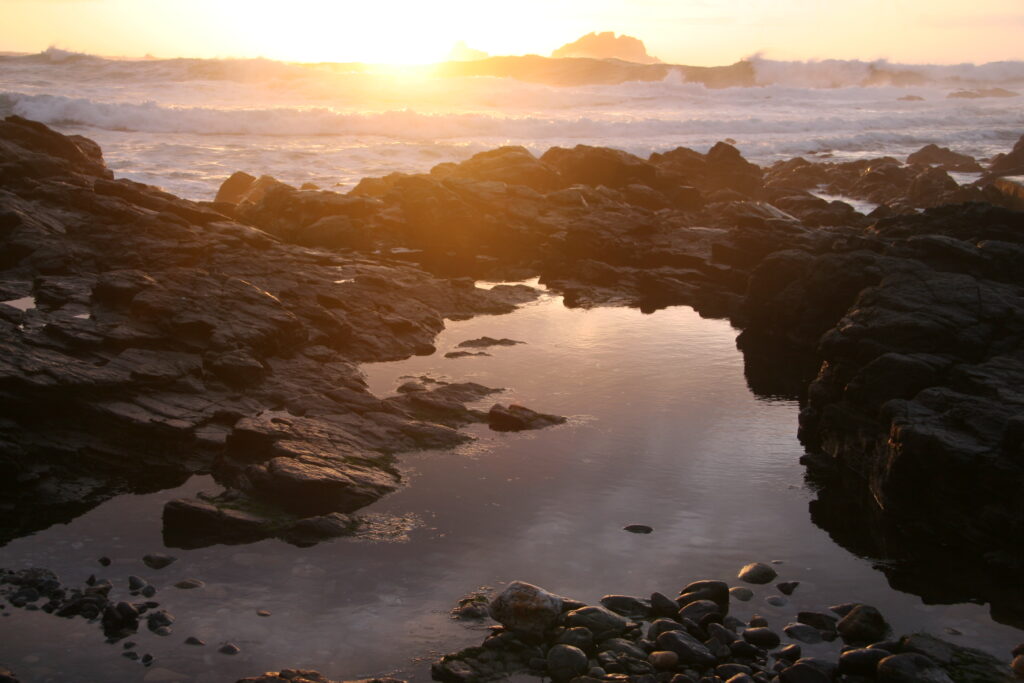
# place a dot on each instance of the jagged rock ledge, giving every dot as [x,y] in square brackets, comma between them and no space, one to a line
[146,338]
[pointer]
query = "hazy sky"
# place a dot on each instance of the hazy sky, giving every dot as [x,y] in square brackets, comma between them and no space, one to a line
[680,31]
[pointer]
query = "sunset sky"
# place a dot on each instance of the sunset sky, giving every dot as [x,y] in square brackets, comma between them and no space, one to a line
[680,31]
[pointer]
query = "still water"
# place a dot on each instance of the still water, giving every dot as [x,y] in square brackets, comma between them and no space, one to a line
[662,431]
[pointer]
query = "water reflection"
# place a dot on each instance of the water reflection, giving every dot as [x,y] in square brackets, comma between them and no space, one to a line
[663,431]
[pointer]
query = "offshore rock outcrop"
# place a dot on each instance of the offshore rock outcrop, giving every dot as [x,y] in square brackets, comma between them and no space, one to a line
[146,338]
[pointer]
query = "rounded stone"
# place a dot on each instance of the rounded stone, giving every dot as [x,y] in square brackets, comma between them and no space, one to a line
[565,662]
[229,649]
[525,608]
[741,593]
[699,609]
[803,633]
[663,660]
[757,573]
[601,621]
[863,624]
[762,637]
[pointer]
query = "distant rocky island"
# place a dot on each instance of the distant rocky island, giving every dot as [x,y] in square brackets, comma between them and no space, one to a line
[607,45]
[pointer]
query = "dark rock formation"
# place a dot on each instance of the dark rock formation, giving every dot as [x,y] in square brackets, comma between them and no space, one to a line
[179,330]
[164,339]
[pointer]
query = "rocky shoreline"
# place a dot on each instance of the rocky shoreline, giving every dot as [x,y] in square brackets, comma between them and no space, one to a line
[148,338]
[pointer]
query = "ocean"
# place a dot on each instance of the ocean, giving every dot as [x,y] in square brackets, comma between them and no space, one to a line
[187,124]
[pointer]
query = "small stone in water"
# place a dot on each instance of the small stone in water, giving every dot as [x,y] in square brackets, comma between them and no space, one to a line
[229,649]
[147,658]
[787,587]
[741,593]
[189,584]
[775,600]
[263,612]
[638,529]
[104,561]
[149,591]
[130,655]
[192,640]
[158,560]
[757,572]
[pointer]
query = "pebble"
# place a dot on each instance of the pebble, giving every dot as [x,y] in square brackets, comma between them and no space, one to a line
[762,637]
[189,584]
[263,612]
[803,633]
[787,587]
[790,653]
[130,654]
[741,593]
[638,529]
[229,649]
[104,561]
[663,659]
[136,583]
[192,640]
[565,662]
[158,560]
[776,600]
[757,573]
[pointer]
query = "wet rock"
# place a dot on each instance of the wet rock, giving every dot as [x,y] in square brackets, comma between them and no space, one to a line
[961,663]
[698,610]
[486,342]
[715,591]
[789,653]
[944,158]
[565,662]
[158,560]
[638,529]
[514,418]
[776,600]
[905,668]
[741,593]
[863,624]
[104,561]
[787,587]
[663,606]
[627,606]
[758,573]
[663,660]
[527,609]
[601,621]
[136,583]
[761,636]
[229,649]
[472,606]
[192,640]
[189,584]
[803,633]
[691,651]
[578,636]
[862,661]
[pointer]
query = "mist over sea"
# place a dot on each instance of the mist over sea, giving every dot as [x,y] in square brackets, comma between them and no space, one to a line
[186,124]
